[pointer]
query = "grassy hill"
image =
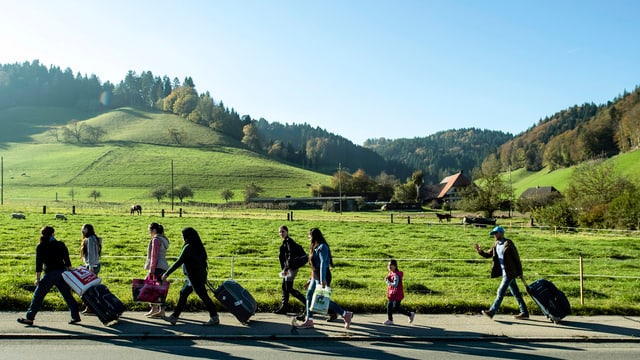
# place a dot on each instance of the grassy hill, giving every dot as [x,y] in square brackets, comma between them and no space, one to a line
[626,165]
[136,156]
[20,123]
[137,153]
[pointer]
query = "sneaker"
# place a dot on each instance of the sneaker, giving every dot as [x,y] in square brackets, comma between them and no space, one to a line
[332,317]
[74,321]
[487,313]
[411,317]
[281,311]
[521,316]
[348,315]
[301,317]
[215,320]
[306,325]
[171,319]
[388,322]
[25,321]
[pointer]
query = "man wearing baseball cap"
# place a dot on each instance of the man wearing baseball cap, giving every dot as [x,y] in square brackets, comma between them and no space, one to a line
[506,263]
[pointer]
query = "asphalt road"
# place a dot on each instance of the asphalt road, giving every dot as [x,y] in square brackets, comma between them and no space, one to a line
[157,349]
[269,336]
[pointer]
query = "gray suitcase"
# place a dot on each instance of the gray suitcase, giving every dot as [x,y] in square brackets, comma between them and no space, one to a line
[236,299]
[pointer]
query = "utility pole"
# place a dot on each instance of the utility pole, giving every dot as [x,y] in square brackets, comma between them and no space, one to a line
[171,185]
[510,191]
[340,185]
[1,180]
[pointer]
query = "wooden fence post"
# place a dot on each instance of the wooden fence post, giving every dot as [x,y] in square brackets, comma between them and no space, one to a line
[581,282]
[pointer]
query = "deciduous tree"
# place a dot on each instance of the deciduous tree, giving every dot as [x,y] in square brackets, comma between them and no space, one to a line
[182,192]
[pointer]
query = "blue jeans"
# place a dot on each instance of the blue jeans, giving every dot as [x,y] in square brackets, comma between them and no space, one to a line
[49,280]
[512,285]
[332,305]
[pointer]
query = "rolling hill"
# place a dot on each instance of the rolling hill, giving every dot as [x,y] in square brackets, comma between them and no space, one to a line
[626,165]
[136,155]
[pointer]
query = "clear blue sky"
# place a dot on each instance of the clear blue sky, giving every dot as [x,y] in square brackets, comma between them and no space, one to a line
[358,68]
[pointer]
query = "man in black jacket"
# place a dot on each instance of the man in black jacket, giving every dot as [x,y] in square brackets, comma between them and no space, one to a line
[506,263]
[292,257]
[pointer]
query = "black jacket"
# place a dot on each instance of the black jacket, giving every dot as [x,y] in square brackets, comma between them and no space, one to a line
[289,250]
[512,264]
[52,255]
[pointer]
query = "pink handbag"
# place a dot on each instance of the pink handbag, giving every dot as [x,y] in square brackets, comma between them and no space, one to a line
[149,290]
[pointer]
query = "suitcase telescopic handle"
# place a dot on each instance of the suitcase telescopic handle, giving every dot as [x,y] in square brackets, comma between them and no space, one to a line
[524,282]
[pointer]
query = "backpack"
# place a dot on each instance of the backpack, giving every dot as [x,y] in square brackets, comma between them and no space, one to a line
[298,256]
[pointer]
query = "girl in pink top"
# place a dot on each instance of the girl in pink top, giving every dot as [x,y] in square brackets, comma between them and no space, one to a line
[395,293]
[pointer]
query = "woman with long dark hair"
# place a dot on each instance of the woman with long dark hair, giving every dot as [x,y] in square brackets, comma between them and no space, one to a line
[320,260]
[90,251]
[193,259]
[90,248]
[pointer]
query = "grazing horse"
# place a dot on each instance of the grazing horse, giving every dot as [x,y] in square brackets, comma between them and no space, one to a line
[136,208]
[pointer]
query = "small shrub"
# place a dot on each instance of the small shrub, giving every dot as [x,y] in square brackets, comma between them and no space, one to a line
[418,289]
[348,284]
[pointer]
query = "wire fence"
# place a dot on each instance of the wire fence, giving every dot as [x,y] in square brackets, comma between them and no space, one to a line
[236,267]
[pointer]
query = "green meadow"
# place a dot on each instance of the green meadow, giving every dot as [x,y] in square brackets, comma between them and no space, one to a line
[443,274]
[126,174]
[42,177]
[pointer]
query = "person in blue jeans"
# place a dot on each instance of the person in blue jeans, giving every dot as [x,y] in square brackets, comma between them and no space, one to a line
[506,264]
[320,260]
[52,256]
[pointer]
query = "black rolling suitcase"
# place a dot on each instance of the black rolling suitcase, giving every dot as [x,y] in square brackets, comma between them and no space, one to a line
[236,299]
[103,303]
[552,302]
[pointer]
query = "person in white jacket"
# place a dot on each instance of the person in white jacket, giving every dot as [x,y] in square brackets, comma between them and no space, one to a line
[90,251]
[91,248]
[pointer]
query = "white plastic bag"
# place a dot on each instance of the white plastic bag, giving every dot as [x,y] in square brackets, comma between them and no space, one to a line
[321,299]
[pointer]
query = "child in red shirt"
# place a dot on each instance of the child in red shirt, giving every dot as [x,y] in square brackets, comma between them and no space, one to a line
[395,293]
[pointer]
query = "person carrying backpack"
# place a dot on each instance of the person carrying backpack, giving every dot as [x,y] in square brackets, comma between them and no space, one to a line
[292,256]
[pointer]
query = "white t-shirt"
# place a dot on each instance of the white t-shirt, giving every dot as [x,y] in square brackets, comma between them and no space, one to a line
[500,251]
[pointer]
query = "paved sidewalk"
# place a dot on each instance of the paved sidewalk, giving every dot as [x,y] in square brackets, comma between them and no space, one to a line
[364,327]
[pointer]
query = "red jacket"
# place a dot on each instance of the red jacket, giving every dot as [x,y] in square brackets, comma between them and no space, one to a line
[395,290]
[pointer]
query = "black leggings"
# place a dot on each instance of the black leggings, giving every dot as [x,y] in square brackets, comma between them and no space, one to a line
[201,291]
[394,306]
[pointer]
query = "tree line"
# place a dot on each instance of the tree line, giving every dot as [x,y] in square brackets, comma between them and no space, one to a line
[577,134]
[33,84]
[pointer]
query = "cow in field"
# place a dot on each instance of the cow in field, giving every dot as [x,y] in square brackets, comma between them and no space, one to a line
[443,217]
[18,216]
[136,209]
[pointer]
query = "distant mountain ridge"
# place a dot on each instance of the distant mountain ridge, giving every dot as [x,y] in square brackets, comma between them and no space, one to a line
[443,153]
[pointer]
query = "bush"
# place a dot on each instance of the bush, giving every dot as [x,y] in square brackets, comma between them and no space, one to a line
[560,215]
[624,211]
[594,217]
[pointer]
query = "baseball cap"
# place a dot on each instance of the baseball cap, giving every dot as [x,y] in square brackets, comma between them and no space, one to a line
[496,229]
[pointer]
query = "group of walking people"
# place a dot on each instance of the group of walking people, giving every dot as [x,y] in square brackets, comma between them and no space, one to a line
[52,259]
